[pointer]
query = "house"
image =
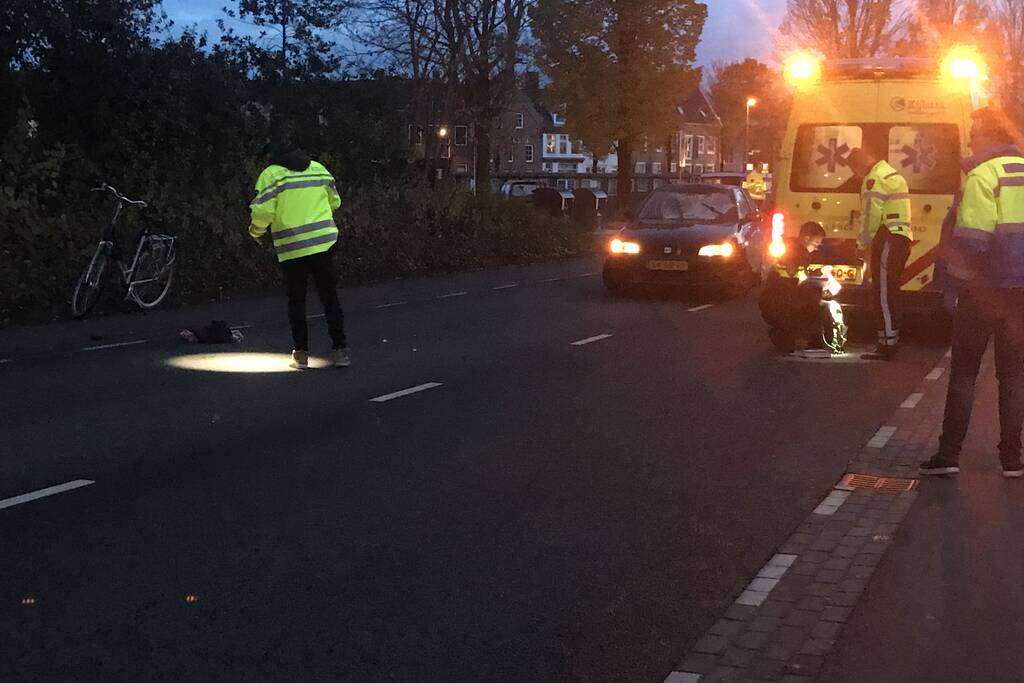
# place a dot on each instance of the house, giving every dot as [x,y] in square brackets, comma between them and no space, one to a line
[692,150]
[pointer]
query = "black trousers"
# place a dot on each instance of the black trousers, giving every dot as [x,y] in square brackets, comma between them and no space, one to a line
[791,312]
[296,274]
[889,254]
[981,314]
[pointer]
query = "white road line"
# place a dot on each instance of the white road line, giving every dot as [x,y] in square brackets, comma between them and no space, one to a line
[43,493]
[700,308]
[314,317]
[833,501]
[514,284]
[405,392]
[392,304]
[115,346]
[590,340]
[766,580]
[935,374]
[585,275]
[682,677]
[949,353]
[912,401]
[5,360]
[452,295]
[241,327]
[881,437]
[551,279]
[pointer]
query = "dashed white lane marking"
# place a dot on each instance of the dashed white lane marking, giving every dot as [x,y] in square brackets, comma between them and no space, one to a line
[4,360]
[586,275]
[935,374]
[949,353]
[405,392]
[452,295]
[757,590]
[682,677]
[314,317]
[115,346]
[392,304]
[590,340]
[912,401]
[43,493]
[700,308]
[881,437]
[510,286]
[550,279]
[833,501]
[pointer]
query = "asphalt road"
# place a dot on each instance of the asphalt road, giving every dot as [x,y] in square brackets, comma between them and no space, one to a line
[551,511]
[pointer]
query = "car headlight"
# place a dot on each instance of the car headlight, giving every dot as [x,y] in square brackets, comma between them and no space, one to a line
[617,246]
[725,250]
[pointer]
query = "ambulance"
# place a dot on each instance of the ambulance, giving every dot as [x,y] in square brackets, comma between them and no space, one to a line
[916,113]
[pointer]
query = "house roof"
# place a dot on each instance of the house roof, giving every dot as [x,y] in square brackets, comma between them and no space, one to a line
[697,108]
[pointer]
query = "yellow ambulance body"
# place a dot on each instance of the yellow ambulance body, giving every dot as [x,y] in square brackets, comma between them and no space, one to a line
[914,113]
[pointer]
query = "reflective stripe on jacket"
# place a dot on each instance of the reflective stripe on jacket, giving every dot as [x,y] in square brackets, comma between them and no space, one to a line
[298,208]
[989,232]
[886,200]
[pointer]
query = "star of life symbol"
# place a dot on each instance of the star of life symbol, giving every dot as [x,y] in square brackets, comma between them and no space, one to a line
[921,157]
[832,156]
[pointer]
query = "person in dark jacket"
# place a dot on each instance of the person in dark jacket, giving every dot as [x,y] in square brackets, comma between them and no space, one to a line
[789,305]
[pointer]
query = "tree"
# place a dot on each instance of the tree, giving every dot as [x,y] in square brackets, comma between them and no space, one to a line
[842,28]
[1008,26]
[731,85]
[619,67]
[933,25]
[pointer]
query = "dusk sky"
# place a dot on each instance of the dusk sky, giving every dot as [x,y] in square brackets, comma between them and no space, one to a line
[735,28]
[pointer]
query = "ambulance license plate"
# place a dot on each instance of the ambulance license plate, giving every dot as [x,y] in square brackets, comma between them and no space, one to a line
[668,265]
[847,275]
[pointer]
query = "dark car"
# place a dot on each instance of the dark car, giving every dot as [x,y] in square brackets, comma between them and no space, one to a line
[697,235]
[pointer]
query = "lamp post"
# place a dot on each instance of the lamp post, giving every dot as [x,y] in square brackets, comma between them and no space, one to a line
[442,134]
[751,102]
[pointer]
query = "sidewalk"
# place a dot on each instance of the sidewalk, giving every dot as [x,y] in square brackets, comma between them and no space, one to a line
[890,578]
[947,601]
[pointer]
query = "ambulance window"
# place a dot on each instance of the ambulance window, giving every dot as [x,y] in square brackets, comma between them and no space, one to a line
[927,154]
[819,161]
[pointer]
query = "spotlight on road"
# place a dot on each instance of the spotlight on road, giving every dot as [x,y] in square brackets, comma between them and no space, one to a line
[253,363]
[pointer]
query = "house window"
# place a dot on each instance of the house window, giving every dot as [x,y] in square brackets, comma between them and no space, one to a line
[546,166]
[711,145]
[557,120]
[562,184]
[657,183]
[520,121]
[415,135]
[446,149]
[659,149]
[461,135]
[700,144]
[688,147]
[554,167]
[528,154]
[698,169]
[511,158]
[462,168]
[564,145]
[656,167]
[641,168]
[673,167]
[641,185]
[550,143]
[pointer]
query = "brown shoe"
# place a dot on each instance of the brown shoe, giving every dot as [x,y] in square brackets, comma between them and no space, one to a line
[300,360]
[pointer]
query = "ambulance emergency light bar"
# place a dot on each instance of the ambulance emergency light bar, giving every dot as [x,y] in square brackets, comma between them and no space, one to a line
[960,65]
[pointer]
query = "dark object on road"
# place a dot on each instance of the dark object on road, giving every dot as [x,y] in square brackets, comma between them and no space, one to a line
[217,332]
[687,235]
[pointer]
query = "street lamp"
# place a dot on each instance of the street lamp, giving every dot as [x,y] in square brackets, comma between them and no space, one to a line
[751,102]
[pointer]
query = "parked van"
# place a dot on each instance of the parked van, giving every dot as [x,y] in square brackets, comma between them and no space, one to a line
[914,113]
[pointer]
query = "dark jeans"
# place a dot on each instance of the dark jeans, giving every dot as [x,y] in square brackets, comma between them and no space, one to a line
[296,274]
[980,314]
[889,254]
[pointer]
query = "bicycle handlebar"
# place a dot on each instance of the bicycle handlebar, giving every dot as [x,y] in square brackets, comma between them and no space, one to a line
[120,197]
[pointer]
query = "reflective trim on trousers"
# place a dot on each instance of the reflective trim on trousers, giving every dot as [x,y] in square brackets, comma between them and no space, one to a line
[891,336]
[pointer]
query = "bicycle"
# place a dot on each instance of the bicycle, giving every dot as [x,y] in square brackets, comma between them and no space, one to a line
[146,281]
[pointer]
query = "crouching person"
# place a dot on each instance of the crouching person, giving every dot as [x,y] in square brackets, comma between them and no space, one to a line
[789,305]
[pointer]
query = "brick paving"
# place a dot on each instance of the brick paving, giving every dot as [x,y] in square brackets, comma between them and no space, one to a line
[784,623]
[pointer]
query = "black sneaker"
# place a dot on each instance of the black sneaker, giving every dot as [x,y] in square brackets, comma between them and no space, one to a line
[881,353]
[1013,469]
[935,466]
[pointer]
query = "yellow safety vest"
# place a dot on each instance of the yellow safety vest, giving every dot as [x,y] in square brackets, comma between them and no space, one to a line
[298,207]
[990,220]
[886,202]
[755,185]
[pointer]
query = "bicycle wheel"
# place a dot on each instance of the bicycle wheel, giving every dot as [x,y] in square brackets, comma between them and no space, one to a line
[153,274]
[90,283]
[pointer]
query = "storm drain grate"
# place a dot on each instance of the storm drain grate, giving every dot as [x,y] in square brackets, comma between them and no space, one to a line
[868,481]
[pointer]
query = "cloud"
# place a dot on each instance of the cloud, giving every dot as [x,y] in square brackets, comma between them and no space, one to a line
[736,29]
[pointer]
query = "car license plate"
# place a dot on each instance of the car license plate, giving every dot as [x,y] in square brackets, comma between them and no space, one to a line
[847,275]
[667,265]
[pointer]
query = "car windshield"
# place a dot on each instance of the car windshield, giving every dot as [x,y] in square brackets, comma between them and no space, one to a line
[690,207]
